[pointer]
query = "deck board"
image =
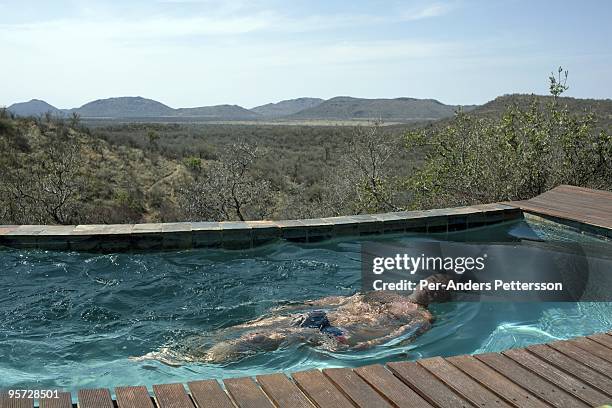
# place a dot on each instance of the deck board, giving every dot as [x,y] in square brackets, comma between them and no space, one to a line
[567,382]
[246,393]
[321,390]
[7,402]
[496,382]
[583,356]
[578,370]
[133,397]
[283,392]
[528,380]
[63,400]
[593,207]
[383,381]
[602,339]
[209,394]
[172,396]
[355,388]
[427,385]
[593,347]
[463,385]
[95,398]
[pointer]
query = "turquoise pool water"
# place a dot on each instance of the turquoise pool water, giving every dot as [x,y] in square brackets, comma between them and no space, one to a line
[71,320]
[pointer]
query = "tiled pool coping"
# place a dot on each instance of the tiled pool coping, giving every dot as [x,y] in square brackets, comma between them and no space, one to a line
[241,235]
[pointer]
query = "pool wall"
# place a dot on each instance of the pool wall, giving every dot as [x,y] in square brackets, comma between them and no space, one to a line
[242,235]
[576,226]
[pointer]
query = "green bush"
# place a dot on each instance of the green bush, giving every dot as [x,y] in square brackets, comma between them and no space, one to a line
[518,156]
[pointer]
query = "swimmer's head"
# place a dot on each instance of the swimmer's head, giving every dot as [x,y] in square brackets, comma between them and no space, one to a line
[426,295]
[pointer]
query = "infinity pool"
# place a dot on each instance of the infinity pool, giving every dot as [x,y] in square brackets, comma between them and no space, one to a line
[71,320]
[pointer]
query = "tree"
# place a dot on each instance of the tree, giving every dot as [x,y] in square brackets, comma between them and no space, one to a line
[153,138]
[520,155]
[75,120]
[229,190]
[363,180]
[47,189]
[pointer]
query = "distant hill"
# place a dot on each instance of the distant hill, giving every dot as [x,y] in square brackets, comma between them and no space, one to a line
[124,107]
[601,107]
[286,107]
[222,112]
[339,108]
[401,109]
[34,107]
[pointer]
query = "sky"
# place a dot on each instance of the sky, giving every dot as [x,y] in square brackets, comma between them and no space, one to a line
[187,53]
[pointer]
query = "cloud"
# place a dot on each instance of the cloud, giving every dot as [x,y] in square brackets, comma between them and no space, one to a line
[217,20]
[434,10]
[156,27]
[356,53]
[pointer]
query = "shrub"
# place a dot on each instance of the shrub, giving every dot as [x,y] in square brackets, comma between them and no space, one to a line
[520,155]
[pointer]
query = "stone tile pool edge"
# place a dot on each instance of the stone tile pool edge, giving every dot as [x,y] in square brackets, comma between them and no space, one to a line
[248,234]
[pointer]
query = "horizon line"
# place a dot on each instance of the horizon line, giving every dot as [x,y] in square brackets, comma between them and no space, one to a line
[289,99]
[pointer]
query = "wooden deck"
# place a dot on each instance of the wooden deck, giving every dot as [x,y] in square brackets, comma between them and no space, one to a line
[583,205]
[569,374]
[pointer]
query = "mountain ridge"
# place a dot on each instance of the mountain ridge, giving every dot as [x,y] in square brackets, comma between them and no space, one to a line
[125,106]
[286,107]
[33,107]
[403,109]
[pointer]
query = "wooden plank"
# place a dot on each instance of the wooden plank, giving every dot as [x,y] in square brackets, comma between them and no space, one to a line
[63,400]
[573,367]
[580,217]
[538,386]
[579,204]
[283,392]
[172,396]
[383,381]
[574,203]
[568,187]
[583,356]
[133,397]
[463,385]
[570,205]
[427,385]
[246,393]
[320,390]
[496,382]
[355,388]
[604,198]
[7,402]
[95,398]
[602,339]
[593,347]
[209,393]
[569,383]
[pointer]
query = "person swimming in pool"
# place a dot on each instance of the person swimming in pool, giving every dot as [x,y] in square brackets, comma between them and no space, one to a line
[334,323]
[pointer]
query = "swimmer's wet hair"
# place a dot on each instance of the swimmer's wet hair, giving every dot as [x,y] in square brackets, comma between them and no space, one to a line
[426,296]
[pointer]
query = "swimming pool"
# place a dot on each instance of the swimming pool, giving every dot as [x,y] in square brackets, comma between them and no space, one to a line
[70,320]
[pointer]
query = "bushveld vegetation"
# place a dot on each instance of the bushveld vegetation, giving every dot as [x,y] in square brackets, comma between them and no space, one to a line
[526,151]
[59,171]
[55,172]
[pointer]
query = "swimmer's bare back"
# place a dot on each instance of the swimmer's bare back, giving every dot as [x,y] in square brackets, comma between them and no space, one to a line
[334,323]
